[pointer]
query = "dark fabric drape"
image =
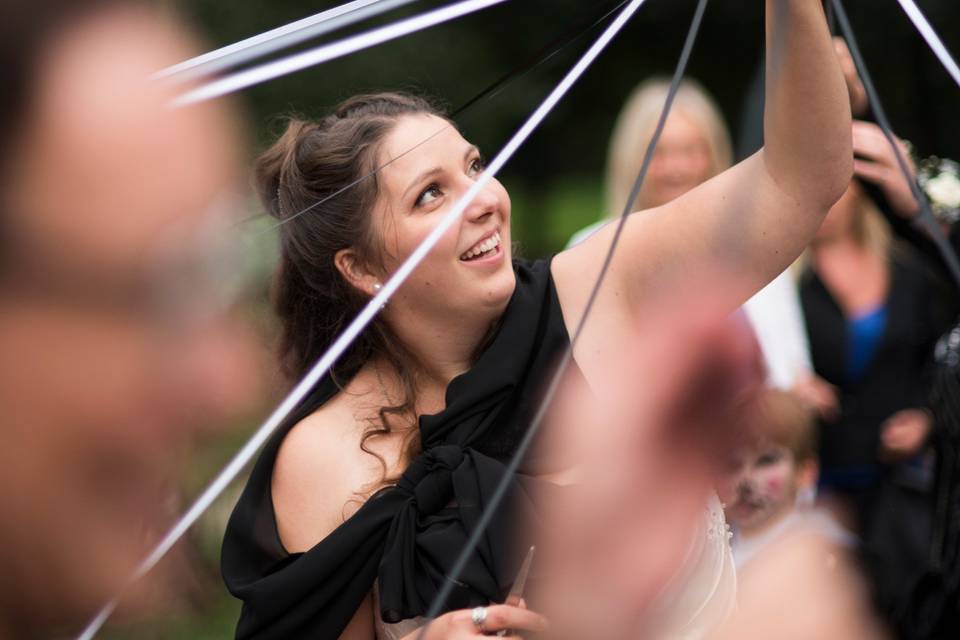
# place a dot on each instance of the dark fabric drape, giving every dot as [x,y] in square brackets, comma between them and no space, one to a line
[407,536]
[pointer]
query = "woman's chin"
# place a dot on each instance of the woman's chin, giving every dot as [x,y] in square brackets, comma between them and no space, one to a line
[504,287]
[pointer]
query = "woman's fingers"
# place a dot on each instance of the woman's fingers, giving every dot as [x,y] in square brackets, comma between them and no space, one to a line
[505,616]
[819,395]
[870,142]
[904,432]
[459,624]
[877,163]
[871,171]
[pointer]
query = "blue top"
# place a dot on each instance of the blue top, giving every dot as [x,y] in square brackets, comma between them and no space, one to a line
[865,332]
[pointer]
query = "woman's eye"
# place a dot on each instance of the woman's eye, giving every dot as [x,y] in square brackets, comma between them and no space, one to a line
[477,167]
[429,194]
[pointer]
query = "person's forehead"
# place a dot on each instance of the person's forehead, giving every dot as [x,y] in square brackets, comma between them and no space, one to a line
[118,165]
[680,126]
[419,143]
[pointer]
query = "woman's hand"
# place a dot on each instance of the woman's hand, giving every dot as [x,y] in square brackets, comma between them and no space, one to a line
[858,94]
[875,162]
[459,624]
[819,395]
[902,435]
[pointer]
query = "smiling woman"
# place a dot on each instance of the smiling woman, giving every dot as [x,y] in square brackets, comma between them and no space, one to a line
[361,502]
[361,427]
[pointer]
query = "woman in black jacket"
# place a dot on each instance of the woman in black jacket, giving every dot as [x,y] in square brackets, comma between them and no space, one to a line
[873,312]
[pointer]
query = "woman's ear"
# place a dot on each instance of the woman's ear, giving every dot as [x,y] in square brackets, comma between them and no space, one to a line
[356,271]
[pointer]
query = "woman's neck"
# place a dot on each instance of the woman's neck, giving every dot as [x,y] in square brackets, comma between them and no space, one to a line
[856,278]
[442,349]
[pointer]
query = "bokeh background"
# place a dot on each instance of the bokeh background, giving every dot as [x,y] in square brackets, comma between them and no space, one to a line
[555,181]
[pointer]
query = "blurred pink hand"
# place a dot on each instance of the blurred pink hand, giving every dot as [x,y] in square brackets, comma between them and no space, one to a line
[646,450]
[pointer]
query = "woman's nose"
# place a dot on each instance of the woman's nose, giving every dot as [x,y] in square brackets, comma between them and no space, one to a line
[482,207]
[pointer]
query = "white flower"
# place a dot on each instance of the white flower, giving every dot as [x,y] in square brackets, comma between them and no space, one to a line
[944,190]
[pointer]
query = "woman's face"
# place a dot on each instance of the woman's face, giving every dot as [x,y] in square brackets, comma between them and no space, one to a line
[681,161]
[469,270]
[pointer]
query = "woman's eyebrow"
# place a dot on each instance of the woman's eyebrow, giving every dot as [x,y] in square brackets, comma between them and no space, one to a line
[429,173]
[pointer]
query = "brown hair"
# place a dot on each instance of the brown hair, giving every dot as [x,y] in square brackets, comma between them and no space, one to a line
[782,418]
[319,180]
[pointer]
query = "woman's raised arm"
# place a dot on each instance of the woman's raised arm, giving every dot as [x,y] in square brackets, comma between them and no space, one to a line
[751,221]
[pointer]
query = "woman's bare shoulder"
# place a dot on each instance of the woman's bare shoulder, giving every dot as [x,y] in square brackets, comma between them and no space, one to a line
[320,474]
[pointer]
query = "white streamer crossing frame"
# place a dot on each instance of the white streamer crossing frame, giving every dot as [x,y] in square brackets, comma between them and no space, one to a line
[343,342]
[933,40]
[270,41]
[325,53]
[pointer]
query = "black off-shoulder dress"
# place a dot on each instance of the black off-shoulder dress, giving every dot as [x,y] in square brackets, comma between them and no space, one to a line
[407,536]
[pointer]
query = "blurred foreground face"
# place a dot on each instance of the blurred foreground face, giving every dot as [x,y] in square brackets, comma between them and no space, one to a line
[114,350]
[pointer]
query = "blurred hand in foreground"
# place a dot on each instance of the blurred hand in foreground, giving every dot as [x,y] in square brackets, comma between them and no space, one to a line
[645,449]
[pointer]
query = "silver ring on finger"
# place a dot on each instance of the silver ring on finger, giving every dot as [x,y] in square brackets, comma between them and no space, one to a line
[479,618]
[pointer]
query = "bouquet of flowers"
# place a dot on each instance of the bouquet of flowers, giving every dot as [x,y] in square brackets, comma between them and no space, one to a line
[940,180]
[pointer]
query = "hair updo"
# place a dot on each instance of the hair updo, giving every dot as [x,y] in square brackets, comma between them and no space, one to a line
[319,180]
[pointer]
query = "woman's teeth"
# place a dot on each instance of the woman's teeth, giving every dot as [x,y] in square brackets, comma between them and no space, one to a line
[487,246]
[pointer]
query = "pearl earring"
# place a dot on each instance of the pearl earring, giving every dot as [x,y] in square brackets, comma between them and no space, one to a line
[376,289]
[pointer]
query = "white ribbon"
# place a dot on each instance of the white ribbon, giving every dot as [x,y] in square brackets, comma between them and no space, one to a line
[279,38]
[933,40]
[325,53]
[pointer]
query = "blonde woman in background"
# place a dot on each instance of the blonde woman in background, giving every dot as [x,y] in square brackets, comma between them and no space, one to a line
[694,147]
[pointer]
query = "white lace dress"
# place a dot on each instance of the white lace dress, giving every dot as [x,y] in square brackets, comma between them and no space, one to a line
[704,591]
